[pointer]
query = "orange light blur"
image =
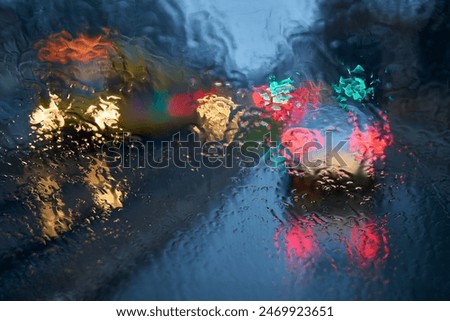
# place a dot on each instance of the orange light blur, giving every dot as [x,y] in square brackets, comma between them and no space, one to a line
[63,48]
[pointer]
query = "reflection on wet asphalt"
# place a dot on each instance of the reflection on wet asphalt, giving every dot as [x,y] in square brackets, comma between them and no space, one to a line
[74,76]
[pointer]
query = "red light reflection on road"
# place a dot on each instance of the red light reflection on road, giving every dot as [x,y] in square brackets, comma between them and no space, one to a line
[368,244]
[303,242]
[299,242]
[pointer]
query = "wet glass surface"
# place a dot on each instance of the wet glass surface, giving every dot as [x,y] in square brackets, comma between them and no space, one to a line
[85,84]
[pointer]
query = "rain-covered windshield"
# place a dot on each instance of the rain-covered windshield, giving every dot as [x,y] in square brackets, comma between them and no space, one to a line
[227,150]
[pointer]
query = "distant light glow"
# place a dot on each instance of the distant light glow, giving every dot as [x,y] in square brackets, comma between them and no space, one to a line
[295,139]
[46,119]
[185,104]
[352,87]
[96,114]
[366,145]
[63,48]
[106,113]
[283,102]
[369,144]
[215,124]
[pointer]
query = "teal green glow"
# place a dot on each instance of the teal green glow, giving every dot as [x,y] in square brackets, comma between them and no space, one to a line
[352,88]
[281,89]
[157,107]
[160,101]
[358,69]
